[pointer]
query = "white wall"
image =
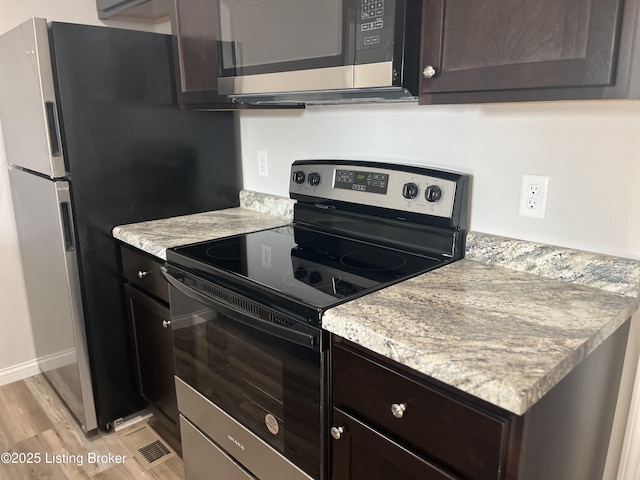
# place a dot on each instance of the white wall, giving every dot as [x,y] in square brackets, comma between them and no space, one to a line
[590,151]
[17,354]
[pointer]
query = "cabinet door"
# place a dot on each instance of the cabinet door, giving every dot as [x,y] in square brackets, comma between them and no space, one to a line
[154,351]
[493,45]
[195,26]
[361,452]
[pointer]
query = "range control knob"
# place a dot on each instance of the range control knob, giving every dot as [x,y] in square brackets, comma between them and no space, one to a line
[314,179]
[410,190]
[433,193]
[299,177]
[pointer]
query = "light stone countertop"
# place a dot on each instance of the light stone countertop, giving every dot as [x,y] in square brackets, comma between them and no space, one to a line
[156,236]
[613,274]
[505,324]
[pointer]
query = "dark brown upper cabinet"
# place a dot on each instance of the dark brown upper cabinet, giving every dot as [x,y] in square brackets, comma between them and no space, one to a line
[519,50]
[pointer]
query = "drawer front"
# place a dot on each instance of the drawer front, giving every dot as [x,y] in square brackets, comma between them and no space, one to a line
[462,439]
[143,272]
[204,460]
[362,453]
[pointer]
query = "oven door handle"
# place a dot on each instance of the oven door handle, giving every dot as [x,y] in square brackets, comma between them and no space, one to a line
[290,335]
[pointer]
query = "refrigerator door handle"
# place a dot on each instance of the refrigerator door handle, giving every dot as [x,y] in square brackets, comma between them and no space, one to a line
[67,227]
[53,129]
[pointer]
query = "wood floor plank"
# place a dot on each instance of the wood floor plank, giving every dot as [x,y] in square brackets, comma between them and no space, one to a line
[172,469]
[34,420]
[71,455]
[129,470]
[64,424]
[32,463]
[21,415]
[49,401]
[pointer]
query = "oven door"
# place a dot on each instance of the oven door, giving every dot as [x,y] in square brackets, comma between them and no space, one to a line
[262,375]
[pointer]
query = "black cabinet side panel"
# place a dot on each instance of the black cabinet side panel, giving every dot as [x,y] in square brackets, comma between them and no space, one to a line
[132,156]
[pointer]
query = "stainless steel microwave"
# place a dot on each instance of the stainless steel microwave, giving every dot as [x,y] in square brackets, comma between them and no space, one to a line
[319,51]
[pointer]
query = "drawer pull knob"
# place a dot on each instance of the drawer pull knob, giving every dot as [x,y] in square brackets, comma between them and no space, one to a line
[336,432]
[397,409]
[429,72]
[166,323]
[142,274]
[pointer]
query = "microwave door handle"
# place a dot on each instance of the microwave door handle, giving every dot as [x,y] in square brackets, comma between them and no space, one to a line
[300,338]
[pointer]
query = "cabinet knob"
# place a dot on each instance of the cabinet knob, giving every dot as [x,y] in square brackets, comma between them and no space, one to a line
[336,432]
[429,72]
[142,274]
[166,323]
[397,409]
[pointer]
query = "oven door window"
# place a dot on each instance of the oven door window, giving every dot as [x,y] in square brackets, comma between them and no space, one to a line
[266,36]
[270,385]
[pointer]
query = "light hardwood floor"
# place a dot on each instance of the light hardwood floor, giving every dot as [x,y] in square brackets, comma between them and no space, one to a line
[34,422]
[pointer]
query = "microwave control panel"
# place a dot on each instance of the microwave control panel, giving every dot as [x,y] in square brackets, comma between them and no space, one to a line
[375,21]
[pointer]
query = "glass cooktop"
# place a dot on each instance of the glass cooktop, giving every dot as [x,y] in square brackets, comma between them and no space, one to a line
[308,266]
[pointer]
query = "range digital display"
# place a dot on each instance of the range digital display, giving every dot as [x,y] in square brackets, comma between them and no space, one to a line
[362,181]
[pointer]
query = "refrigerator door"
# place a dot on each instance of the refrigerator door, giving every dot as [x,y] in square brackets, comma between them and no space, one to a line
[44,220]
[27,100]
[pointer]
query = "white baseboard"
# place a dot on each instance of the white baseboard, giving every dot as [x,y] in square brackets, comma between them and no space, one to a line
[37,365]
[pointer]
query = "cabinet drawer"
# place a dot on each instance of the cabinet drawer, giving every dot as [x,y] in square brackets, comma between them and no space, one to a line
[362,453]
[143,271]
[462,439]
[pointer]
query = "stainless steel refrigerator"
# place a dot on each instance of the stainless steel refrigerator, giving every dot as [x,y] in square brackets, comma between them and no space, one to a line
[94,139]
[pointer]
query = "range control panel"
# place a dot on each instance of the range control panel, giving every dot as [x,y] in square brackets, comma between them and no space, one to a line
[398,187]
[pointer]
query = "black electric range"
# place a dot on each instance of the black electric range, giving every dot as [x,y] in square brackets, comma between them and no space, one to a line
[335,251]
[251,358]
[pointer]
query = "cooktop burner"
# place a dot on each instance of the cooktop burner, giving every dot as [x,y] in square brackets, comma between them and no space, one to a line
[309,266]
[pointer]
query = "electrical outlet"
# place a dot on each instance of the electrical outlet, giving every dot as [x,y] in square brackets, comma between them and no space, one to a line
[263,164]
[533,196]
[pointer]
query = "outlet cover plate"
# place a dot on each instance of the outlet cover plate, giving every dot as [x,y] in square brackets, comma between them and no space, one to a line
[533,196]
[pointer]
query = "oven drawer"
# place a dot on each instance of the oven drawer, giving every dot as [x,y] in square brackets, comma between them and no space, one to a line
[143,271]
[201,457]
[462,439]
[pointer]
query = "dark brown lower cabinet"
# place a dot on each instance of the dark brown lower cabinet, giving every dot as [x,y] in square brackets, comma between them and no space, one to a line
[147,297]
[154,351]
[455,439]
[391,422]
